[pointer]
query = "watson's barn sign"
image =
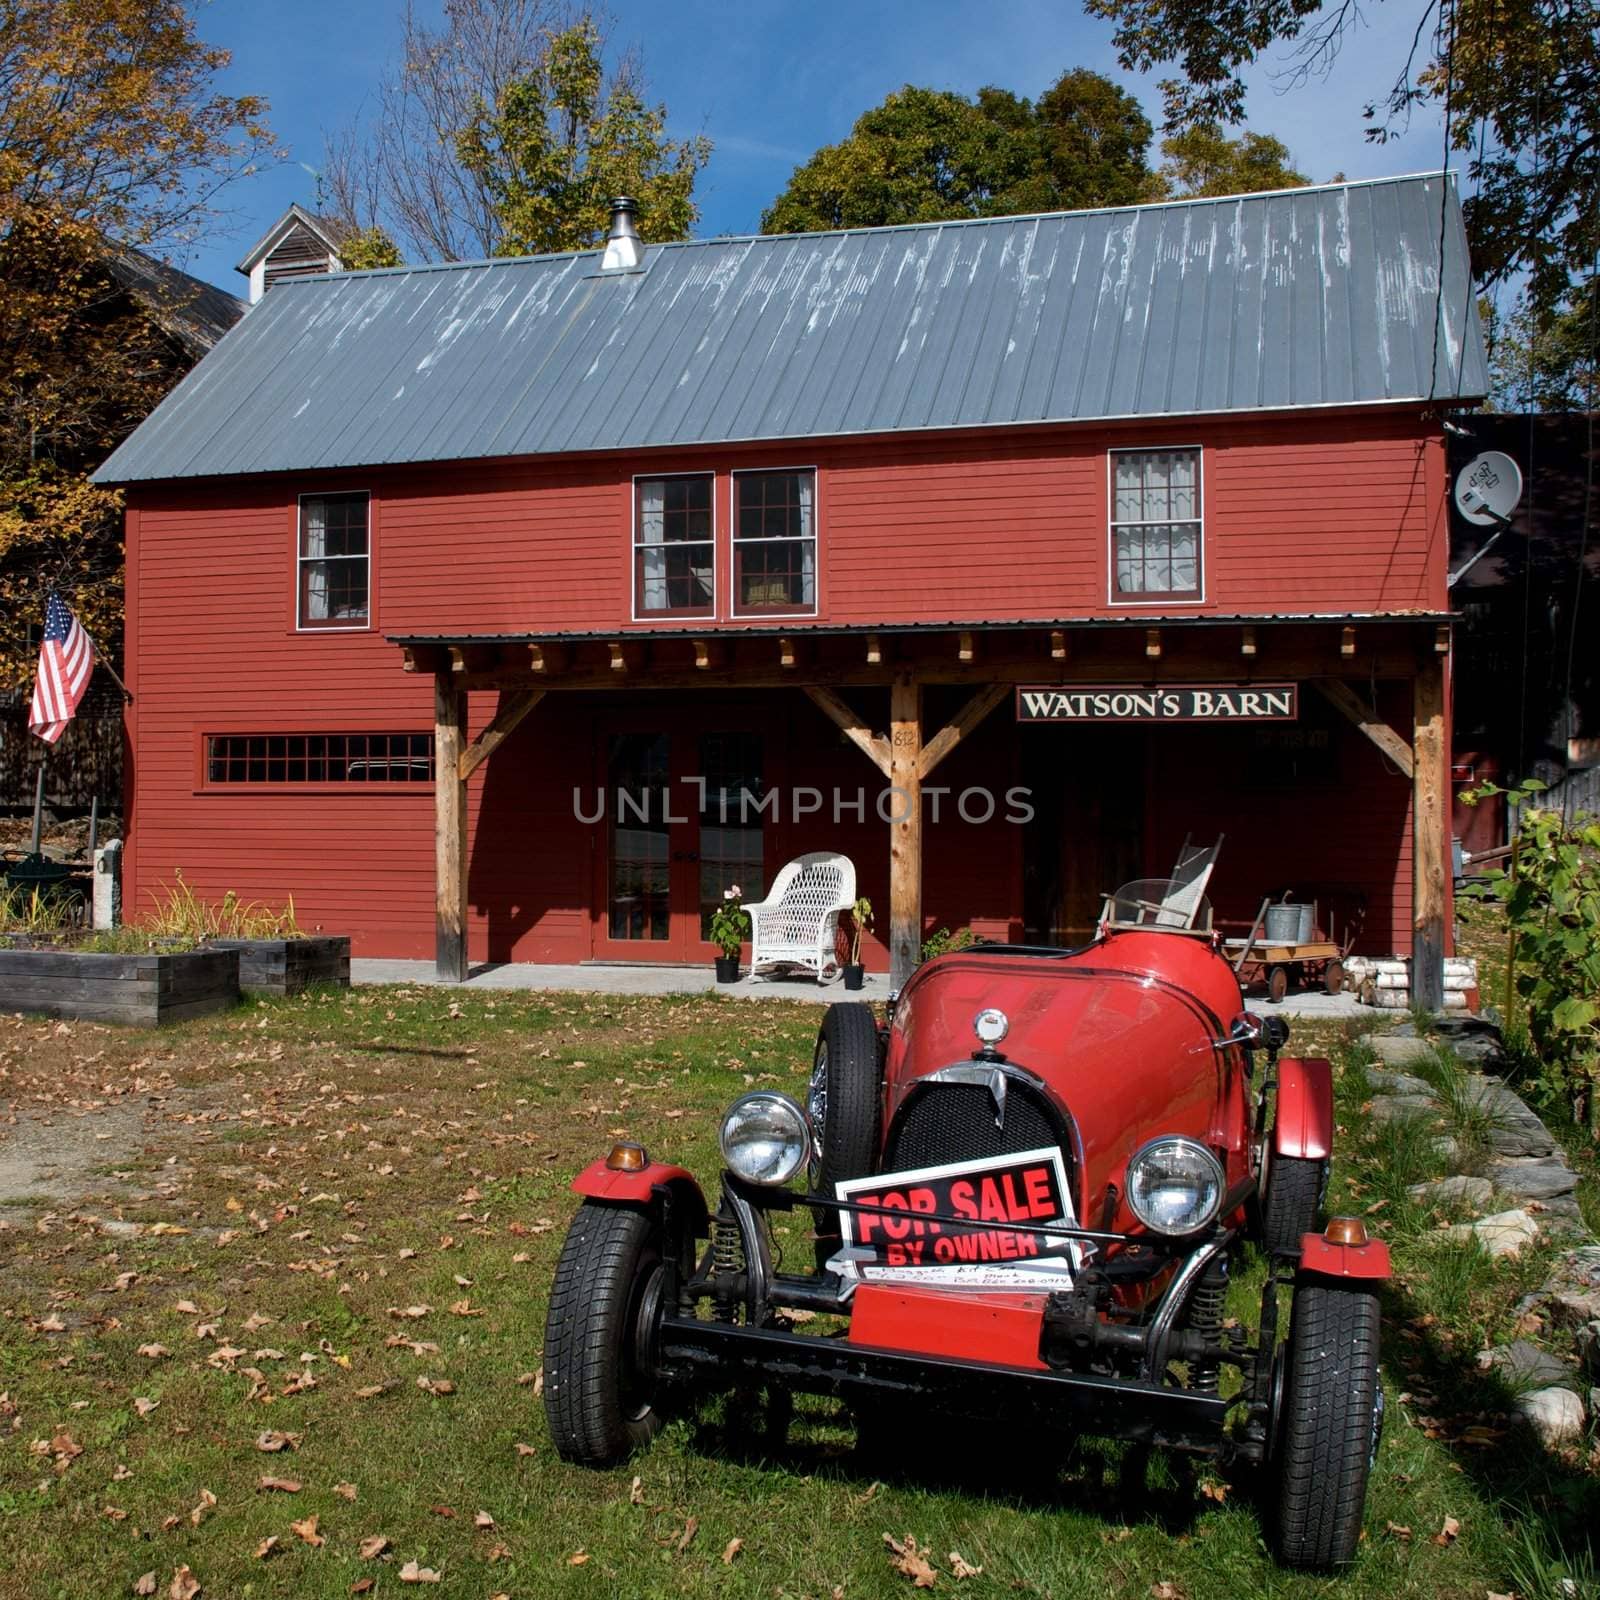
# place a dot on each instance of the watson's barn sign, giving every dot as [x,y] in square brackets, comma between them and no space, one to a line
[1166,702]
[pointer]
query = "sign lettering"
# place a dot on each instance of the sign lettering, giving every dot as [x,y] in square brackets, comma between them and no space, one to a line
[1166,702]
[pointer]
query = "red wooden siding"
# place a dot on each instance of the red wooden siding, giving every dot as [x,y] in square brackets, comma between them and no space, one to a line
[1316,512]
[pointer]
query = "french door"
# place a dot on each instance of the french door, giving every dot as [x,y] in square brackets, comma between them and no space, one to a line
[683,821]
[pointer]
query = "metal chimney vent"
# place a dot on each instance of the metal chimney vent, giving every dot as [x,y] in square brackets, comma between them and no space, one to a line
[624,249]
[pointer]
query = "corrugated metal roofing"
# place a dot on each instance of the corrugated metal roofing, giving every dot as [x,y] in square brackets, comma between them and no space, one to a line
[1326,296]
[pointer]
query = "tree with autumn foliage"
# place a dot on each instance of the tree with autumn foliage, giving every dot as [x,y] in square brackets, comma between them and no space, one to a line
[111,136]
[506,132]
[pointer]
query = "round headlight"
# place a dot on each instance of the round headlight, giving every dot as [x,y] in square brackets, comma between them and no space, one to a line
[765,1137]
[1174,1186]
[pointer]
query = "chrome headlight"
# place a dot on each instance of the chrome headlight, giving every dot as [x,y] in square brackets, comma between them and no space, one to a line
[1174,1185]
[765,1138]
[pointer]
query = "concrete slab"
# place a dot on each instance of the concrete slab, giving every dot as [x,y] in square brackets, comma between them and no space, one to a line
[604,978]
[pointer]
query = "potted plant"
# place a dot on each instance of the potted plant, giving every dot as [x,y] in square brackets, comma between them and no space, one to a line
[729,923]
[860,921]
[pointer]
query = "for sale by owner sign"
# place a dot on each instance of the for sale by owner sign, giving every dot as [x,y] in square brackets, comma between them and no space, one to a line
[1166,702]
[978,1224]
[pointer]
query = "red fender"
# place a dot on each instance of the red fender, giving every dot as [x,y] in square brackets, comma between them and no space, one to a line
[1304,1124]
[597,1181]
[1324,1259]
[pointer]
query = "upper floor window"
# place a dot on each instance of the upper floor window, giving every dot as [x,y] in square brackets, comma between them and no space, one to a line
[1155,524]
[335,561]
[674,546]
[774,542]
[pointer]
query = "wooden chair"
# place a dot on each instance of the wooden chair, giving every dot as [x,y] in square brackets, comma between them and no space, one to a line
[797,925]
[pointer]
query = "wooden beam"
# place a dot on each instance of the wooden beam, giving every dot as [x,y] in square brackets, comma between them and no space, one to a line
[905,828]
[547,659]
[1152,643]
[1247,642]
[709,654]
[960,725]
[1441,639]
[791,652]
[424,658]
[966,647]
[1346,700]
[873,745]
[874,650]
[449,830]
[1430,791]
[513,708]
[1347,642]
[627,655]
[1059,647]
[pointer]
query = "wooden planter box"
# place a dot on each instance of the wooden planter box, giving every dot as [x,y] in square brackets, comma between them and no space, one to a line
[286,966]
[144,989]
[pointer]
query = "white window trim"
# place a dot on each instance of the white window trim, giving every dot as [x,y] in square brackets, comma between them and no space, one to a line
[1158,602]
[734,613]
[300,559]
[634,547]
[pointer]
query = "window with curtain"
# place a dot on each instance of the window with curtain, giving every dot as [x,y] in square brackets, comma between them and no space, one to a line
[674,548]
[774,542]
[1155,524]
[335,561]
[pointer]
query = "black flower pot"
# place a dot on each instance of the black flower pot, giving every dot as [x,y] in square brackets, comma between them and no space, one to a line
[727,969]
[854,975]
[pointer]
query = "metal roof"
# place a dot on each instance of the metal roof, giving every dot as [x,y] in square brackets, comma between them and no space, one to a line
[1326,296]
[197,314]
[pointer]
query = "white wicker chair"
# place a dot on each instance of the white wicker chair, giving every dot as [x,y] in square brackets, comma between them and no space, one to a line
[797,925]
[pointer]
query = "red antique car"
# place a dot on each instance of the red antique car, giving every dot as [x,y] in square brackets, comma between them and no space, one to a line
[1030,1186]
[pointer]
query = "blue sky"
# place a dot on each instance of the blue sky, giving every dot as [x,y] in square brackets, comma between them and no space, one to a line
[769,82]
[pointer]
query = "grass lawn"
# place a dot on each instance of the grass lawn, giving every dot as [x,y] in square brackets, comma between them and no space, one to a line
[335,1219]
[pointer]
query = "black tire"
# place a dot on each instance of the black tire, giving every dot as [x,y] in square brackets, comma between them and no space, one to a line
[599,1385]
[845,1102]
[1332,1414]
[1293,1201]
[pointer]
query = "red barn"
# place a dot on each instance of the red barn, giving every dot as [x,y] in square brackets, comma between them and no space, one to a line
[1000,555]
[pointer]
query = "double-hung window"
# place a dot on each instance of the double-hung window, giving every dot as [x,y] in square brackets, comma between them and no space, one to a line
[674,546]
[335,561]
[1155,525]
[774,542]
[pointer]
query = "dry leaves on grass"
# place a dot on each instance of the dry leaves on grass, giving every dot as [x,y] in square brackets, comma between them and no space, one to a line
[525,1449]
[412,1573]
[730,1550]
[1166,1589]
[578,1558]
[373,1546]
[1448,1533]
[436,1385]
[636,1491]
[207,1500]
[185,1586]
[270,1441]
[345,1491]
[281,1485]
[410,1313]
[307,1530]
[145,1585]
[910,1562]
[154,1352]
[144,1405]
[266,1547]
[483,1520]
[686,1538]
[1395,1530]
[465,1308]
[960,1567]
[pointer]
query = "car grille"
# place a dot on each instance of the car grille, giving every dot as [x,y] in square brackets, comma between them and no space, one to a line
[946,1122]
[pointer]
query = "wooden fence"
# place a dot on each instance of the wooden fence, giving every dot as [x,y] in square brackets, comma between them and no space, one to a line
[85,764]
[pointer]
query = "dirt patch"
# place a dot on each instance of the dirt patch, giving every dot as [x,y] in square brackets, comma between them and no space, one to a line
[61,1157]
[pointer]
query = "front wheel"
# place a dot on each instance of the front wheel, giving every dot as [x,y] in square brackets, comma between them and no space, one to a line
[1293,1200]
[600,1384]
[1329,1425]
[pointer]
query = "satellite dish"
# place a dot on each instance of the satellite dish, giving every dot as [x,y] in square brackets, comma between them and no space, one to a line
[1488,489]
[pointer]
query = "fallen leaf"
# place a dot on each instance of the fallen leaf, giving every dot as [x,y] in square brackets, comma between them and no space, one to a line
[436,1385]
[185,1586]
[282,1485]
[266,1547]
[960,1567]
[255,1320]
[65,1448]
[144,1405]
[154,1351]
[1213,1490]
[1447,1534]
[207,1500]
[271,1441]
[145,1585]
[373,1546]
[51,1324]
[1167,1590]
[483,1520]
[187,1308]
[686,1538]
[526,1450]
[371,1391]
[345,1491]
[578,1558]
[730,1550]
[1396,1530]
[307,1529]
[910,1562]
[636,1491]
[465,1308]
[443,1511]
[362,1585]
[411,1313]
[412,1573]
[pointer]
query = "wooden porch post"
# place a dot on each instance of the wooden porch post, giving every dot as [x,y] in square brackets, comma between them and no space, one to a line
[905,828]
[449,830]
[1429,787]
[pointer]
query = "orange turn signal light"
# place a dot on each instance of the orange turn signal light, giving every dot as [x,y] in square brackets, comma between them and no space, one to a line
[627,1158]
[1345,1230]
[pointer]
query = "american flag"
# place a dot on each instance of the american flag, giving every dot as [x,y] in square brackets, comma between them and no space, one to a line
[66,658]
